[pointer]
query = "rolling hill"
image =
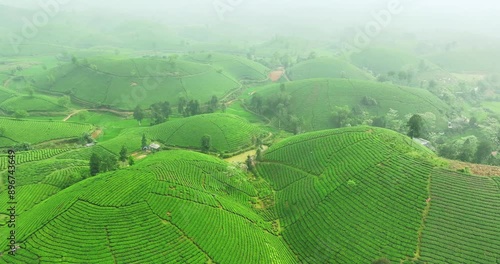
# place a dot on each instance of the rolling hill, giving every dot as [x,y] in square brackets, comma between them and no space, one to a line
[325,67]
[349,195]
[35,132]
[236,66]
[229,133]
[314,100]
[382,60]
[176,204]
[357,194]
[125,83]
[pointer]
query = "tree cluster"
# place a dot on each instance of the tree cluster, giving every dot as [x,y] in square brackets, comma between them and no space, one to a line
[102,163]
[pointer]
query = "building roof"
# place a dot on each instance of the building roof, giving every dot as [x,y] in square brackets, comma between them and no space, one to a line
[154,146]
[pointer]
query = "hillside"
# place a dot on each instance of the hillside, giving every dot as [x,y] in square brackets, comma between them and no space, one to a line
[356,194]
[236,66]
[124,83]
[382,60]
[370,193]
[228,133]
[175,204]
[34,132]
[315,100]
[325,67]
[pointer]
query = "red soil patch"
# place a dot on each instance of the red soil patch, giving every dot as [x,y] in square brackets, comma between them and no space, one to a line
[276,75]
[96,133]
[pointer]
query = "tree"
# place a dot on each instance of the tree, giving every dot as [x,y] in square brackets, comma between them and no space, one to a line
[206,143]
[20,114]
[213,103]
[123,154]
[381,261]
[109,163]
[138,114]
[181,105]
[194,107]
[249,163]
[259,154]
[95,164]
[131,160]
[415,125]
[64,101]
[144,141]
[483,152]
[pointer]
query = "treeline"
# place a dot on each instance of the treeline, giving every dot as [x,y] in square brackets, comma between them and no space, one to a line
[160,112]
[278,109]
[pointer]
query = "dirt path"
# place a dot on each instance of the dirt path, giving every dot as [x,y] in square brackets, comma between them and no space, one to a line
[7,82]
[243,156]
[72,114]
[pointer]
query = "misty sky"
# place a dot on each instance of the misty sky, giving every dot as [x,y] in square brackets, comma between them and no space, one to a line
[479,15]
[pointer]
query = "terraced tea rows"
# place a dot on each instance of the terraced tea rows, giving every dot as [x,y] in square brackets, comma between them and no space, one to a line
[315,100]
[346,180]
[29,156]
[228,132]
[463,225]
[175,204]
[35,132]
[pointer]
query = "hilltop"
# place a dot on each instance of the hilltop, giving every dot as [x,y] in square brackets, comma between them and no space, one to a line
[315,101]
[325,67]
[228,133]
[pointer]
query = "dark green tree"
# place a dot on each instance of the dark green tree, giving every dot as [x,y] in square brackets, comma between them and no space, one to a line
[138,114]
[109,163]
[131,160]
[123,154]
[181,105]
[194,107]
[250,164]
[144,141]
[95,164]
[206,143]
[214,102]
[415,125]
[483,152]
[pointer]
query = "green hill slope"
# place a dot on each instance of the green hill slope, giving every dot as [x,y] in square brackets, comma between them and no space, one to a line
[34,132]
[178,206]
[229,133]
[382,60]
[315,100]
[238,67]
[357,194]
[326,68]
[125,83]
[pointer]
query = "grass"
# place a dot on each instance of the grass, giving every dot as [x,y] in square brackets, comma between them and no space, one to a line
[382,60]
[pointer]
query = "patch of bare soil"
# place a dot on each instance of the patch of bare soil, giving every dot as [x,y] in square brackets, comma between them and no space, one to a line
[476,169]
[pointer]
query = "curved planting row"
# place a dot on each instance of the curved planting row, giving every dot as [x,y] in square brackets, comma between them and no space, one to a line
[35,132]
[349,196]
[29,156]
[228,133]
[463,225]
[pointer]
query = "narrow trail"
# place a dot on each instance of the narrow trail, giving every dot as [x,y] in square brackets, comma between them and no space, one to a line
[243,156]
[97,110]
